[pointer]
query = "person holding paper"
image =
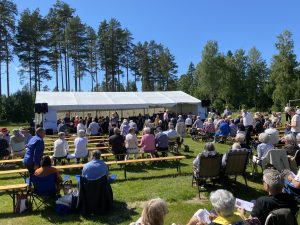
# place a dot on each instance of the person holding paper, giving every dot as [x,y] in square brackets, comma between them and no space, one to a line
[224,205]
[276,199]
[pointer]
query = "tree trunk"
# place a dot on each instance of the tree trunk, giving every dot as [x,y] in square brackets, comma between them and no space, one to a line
[127,88]
[35,73]
[119,79]
[56,73]
[7,65]
[61,69]
[30,69]
[66,70]
[96,79]
[1,70]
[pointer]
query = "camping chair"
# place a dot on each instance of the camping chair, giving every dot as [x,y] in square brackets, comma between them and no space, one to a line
[43,191]
[95,196]
[236,164]
[281,216]
[277,158]
[209,168]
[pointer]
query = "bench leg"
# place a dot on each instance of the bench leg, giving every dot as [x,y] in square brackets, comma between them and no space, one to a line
[125,171]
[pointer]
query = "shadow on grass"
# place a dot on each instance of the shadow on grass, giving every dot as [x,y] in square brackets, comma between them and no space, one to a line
[120,213]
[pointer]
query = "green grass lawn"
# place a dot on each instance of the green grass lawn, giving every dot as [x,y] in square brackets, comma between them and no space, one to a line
[144,181]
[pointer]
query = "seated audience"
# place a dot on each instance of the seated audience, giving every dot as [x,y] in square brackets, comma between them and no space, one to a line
[235,147]
[111,130]
[60,147]
[262,149]
[290,145]
[96,168]
[17,143]
[157,121]
[233,128]
[258,125]
[116,142]
[274,135]
[131,143]
[198,123]
[161,141]
[240,138]
[276,199]
[148,142]
[61,127]
[133,125]
[4,148]
[94,128]
[224,130]
[46,169]
[124,128]
[188,121]
[80,144]
[223,203]
[208,150]
[241,129]
[180,129]
[209,127]
[171,133]
[27,136]
[81,126]
[154,213]
[6,134]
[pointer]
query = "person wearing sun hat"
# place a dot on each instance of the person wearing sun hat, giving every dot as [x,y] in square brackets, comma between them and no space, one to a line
[27,136]
[6,135]
[17,143]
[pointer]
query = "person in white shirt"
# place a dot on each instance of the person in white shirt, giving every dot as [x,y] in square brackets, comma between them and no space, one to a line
[287,116]
[80,144]
[248,124]
[61,147]
[295,122]
[94,128]
[131,143]
[81,126]
[188,121]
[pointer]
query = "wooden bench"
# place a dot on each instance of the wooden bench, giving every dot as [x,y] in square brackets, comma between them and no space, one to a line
[23,172]
[12,191]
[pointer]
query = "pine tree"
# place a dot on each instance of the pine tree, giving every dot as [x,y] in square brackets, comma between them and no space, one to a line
[186,81]
[8,12]
[283,76]
[92,56]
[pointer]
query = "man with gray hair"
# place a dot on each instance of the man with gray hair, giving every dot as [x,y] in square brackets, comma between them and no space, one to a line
[273,184]
[96,168]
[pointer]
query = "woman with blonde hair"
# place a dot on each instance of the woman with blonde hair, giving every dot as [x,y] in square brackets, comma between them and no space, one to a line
[154,213]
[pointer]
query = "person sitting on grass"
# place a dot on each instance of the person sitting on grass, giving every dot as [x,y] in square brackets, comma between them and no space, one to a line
[208,150]
[96,168]
[46,169]
[224,213]
[276,199]
[17,143]
[154,213]
[148,142]
[131,143]
[4,152]
[60,147]
[80,144]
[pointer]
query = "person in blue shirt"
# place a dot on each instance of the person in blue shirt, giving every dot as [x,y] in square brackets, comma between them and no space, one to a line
[224,129]
[96,168]
[34,151]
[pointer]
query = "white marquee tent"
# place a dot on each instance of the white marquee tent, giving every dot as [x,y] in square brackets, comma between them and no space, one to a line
[97,101]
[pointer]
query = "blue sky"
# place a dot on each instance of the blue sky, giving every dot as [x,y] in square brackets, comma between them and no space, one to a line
[184,26]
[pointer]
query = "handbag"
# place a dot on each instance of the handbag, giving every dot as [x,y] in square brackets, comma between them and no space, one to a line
[22,203]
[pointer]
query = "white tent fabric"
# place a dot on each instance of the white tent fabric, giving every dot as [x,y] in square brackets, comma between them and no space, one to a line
[75,101]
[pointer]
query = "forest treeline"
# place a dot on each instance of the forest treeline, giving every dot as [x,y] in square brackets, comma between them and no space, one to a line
[59,46]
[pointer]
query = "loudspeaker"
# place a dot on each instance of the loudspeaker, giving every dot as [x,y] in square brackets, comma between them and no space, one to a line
[44,107]
[205,103]
[38,108]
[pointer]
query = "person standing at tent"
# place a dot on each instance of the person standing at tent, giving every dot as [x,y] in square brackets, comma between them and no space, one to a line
[166,120]
[295,122]
[34,151]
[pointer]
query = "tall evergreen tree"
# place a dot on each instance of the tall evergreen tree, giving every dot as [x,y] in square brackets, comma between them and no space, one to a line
[283,76]
[8,12]
[77,38]
[92,56]
[31,47]
[186,81]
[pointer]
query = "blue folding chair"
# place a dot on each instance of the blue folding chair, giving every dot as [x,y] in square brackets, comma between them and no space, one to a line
[43,192]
